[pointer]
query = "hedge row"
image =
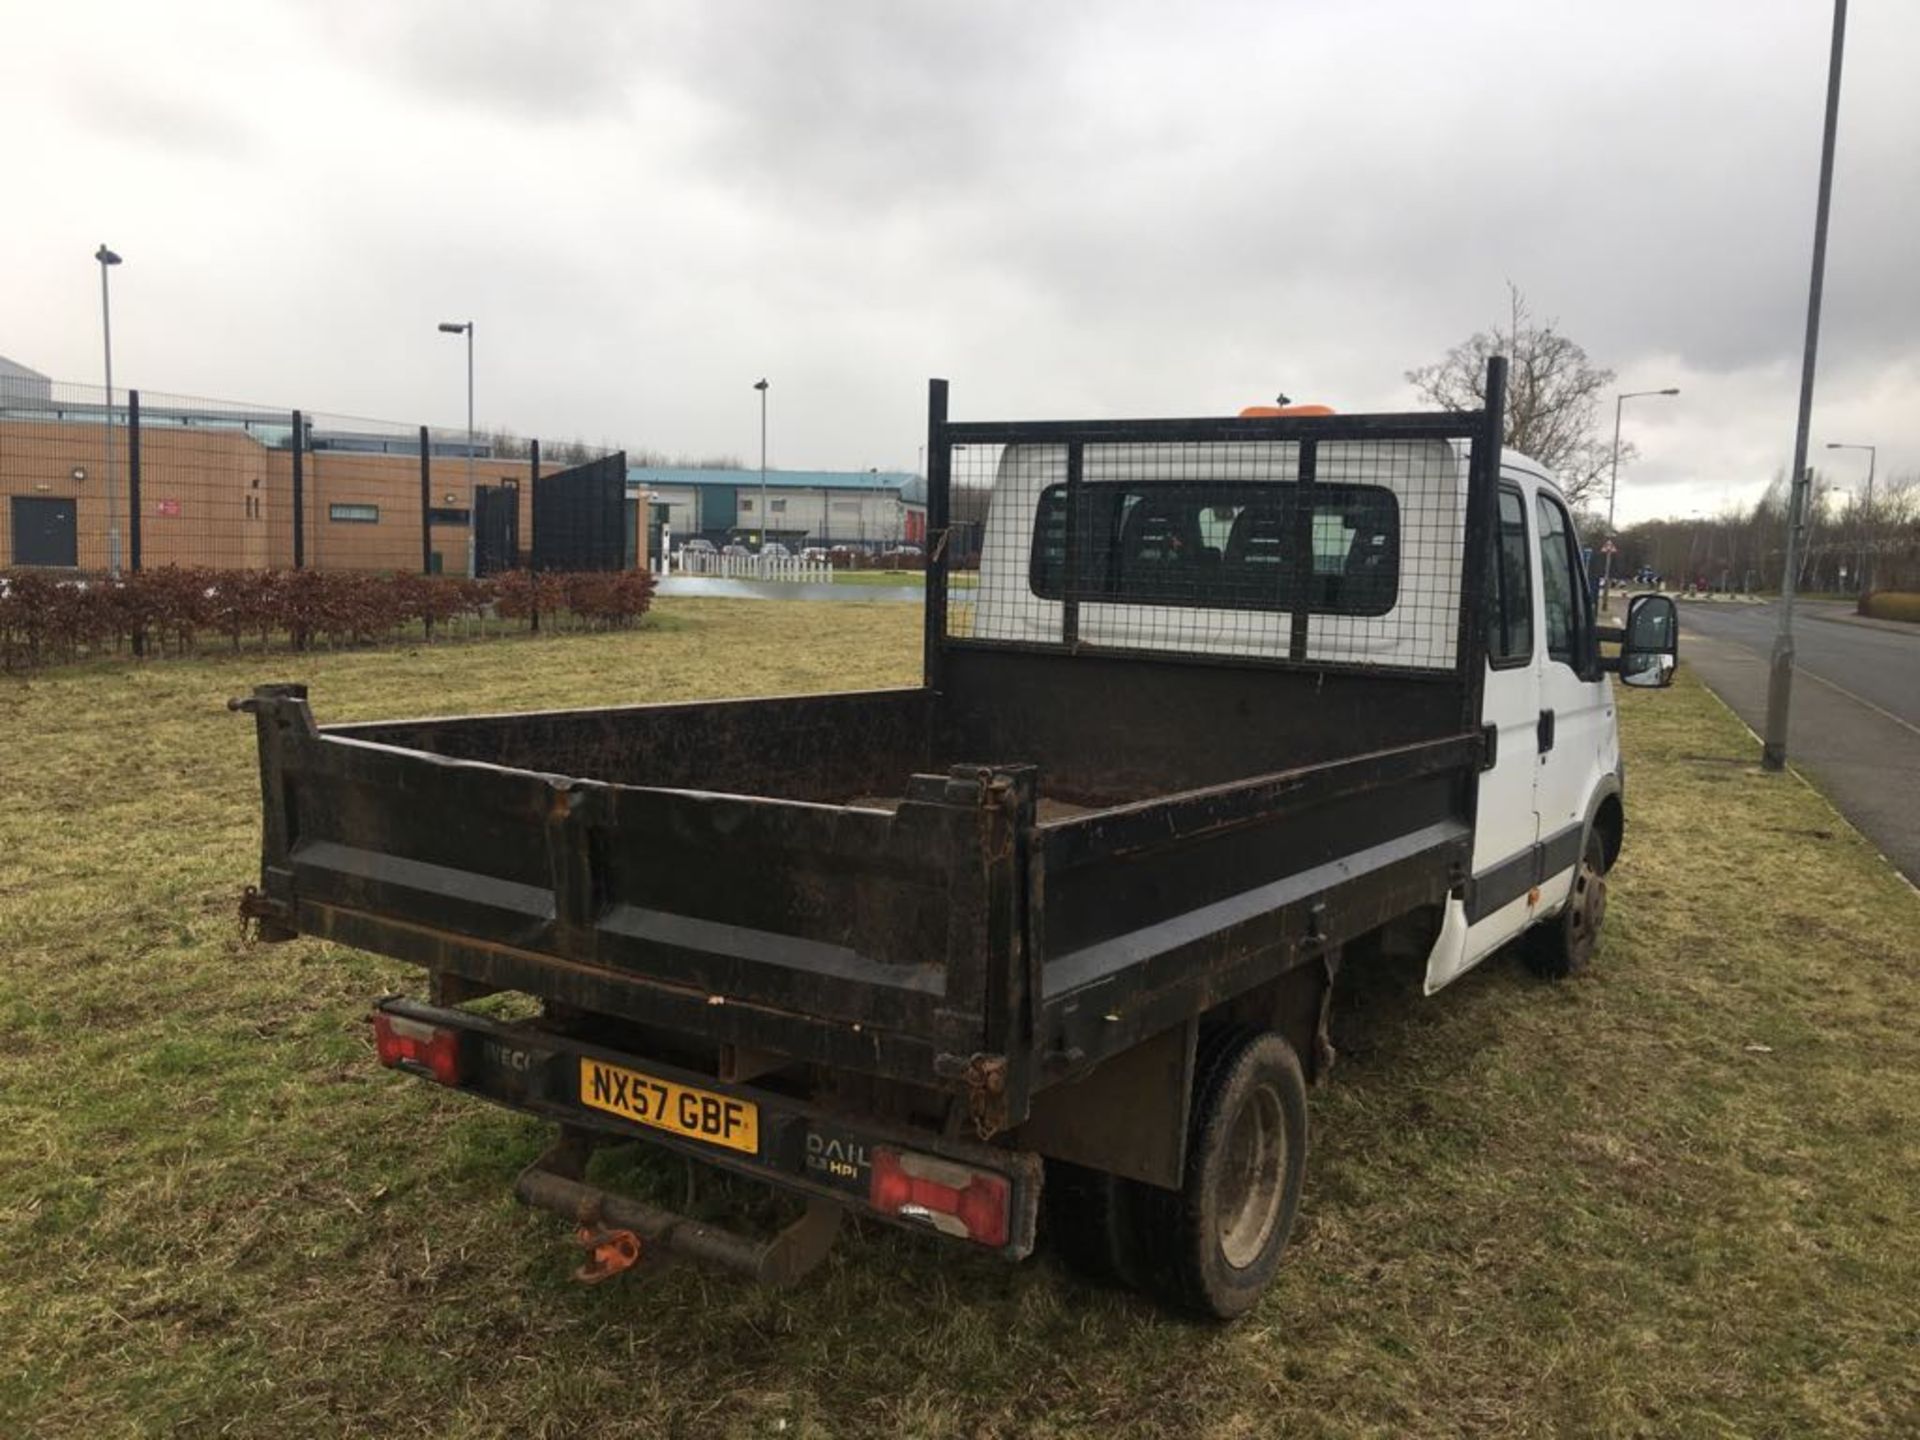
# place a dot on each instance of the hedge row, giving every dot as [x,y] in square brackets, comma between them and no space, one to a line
[49,619]
[1892,605]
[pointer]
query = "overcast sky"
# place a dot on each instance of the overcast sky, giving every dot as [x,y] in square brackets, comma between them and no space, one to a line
[1068,210]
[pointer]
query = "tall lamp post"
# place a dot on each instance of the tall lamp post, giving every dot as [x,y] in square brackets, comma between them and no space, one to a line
[107,261]
[1866,518]
[1773,747]
[1613,485]
[761,386]
[465,327]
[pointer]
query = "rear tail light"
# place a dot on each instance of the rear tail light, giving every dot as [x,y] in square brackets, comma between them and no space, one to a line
[954,1199]
[414,1045]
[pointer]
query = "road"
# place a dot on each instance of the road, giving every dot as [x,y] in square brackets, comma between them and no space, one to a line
[1855,727]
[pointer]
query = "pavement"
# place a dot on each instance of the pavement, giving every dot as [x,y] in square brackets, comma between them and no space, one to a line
[1854,729]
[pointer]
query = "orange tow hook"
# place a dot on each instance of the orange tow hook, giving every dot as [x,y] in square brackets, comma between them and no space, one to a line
[608,1253]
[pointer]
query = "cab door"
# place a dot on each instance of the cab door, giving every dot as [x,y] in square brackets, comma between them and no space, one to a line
[1506,828]
[1578,742]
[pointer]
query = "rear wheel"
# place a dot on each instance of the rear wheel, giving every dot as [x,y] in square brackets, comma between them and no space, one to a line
[1565,944]
[1213,1246]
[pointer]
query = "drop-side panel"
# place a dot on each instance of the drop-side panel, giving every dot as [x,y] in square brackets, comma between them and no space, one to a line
[858,916]
[1148,914]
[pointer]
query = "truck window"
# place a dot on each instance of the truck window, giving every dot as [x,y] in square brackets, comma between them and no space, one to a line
[1224,545]
[1559,580]
[1510,627]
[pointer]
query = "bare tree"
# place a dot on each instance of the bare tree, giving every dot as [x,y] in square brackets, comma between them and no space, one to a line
[661,460]
[1845,545]
[506,445]
[1554,396]
[1896,535]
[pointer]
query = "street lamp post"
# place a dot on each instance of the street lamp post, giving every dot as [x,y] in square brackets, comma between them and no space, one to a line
[1613,487]
[465,327]
[107,261]
[1866,516]
[761,386]
[1773,747]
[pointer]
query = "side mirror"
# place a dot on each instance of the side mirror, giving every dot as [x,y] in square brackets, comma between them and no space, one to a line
[1651,647]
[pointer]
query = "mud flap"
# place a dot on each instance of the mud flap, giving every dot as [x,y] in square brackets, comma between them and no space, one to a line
[1448,958]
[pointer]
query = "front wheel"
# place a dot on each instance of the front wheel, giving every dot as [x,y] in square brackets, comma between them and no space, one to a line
[1214,1245]
[1564,945]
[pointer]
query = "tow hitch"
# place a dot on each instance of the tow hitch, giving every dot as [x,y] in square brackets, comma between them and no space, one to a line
[618,1231]
[609,1252]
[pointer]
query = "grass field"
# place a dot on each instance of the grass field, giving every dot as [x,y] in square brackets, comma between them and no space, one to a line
[880,577]
[1678,1197]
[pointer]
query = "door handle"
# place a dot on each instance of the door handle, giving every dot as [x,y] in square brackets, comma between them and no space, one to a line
[1546,731]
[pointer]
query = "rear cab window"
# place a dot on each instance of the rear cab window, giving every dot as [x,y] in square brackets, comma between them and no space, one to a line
[1223,544]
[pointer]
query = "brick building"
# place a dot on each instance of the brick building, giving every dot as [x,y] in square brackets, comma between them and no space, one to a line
[216,486]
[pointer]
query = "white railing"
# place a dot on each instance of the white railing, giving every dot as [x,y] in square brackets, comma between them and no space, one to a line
[751,567]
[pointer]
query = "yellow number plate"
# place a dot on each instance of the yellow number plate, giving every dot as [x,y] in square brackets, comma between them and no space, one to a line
[670,1106]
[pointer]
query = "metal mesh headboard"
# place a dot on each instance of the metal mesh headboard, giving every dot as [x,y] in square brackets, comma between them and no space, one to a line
[1318,542]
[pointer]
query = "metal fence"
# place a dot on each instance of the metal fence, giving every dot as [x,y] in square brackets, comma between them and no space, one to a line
[141,480]
[751,567]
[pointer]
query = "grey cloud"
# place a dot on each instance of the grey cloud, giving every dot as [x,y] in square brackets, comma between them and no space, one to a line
[1066,157]
[1121,208]
[874,106]
[558,61]
[134,110]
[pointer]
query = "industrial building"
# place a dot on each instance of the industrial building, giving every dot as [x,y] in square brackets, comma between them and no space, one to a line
[216,488]
[854,509]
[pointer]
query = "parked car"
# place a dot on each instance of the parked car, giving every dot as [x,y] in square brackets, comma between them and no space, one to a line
[698,546]
[816,554]
[775,549]
[739,550]
[1235,707]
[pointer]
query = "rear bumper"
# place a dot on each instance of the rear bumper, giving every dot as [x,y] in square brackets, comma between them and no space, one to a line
[797,1147]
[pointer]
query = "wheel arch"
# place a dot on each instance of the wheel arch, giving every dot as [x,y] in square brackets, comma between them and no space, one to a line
[1296,1004]
[1607,817]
